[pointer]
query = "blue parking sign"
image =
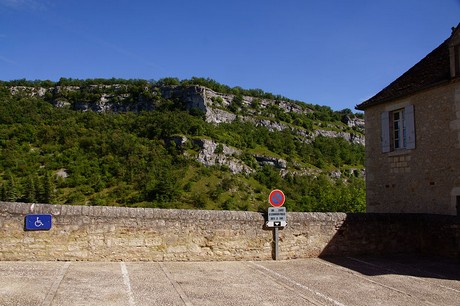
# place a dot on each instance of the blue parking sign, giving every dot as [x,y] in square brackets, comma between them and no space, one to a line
[38,222]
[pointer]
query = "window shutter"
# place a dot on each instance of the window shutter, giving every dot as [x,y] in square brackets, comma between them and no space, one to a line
[410,126]
[385,131]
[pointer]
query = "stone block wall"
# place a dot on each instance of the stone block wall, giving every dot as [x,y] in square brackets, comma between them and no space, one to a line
[144,234]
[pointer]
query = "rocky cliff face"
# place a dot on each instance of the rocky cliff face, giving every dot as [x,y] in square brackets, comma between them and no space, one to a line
[214,154]
[217,108]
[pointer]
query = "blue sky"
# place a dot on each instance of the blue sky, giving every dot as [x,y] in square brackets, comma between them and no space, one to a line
[334,53]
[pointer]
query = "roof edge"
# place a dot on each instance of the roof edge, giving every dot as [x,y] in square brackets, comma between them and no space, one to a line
[362,107]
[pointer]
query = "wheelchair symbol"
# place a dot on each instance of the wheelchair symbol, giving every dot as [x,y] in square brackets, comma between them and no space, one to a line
[38,222]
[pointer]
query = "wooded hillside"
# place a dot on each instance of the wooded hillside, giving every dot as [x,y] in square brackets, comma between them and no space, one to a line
[175,144]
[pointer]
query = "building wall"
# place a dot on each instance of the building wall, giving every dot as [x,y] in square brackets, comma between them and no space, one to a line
[138,234]
[423,180]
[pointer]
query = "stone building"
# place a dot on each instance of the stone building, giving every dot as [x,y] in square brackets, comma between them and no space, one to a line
[413,137]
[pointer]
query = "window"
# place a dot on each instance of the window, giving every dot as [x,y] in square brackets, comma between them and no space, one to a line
[398,129]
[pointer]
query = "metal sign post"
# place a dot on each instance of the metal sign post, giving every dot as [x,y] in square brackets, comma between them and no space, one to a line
[276,217]
[275,239]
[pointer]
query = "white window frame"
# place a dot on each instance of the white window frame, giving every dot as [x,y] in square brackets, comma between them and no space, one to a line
[398,129]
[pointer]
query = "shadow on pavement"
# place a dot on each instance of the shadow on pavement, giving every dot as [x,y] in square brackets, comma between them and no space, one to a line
[419,245]
[412,265]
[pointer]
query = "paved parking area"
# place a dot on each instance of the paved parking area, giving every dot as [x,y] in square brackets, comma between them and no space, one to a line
[337,281]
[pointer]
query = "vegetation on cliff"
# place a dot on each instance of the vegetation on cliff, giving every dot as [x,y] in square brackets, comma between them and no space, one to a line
[62,155]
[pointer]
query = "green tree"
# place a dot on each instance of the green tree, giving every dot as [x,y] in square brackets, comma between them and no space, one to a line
[48,188]
[31,193]
[236,103]
[11,191]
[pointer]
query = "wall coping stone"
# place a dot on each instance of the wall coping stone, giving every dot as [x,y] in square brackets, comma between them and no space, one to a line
[224,215]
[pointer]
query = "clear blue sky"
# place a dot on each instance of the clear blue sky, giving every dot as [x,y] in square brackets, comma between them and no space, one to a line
[335,53]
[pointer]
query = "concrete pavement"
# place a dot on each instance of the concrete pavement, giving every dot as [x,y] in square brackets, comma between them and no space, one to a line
[336,281]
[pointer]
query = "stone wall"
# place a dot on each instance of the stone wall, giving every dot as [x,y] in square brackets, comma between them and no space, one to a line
[138,234]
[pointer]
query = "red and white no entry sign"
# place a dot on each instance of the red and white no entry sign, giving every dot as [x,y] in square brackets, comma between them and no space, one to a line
[276,198]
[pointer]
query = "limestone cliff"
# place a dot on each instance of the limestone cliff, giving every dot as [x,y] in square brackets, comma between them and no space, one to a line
[217,108]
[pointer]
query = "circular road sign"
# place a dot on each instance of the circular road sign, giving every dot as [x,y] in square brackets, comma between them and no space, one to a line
[276,198]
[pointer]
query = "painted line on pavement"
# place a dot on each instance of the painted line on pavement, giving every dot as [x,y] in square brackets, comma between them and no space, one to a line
[356,274]
[176,286]
[327,298]
[126,281]
[55,286]
[360,276]
[252,266]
